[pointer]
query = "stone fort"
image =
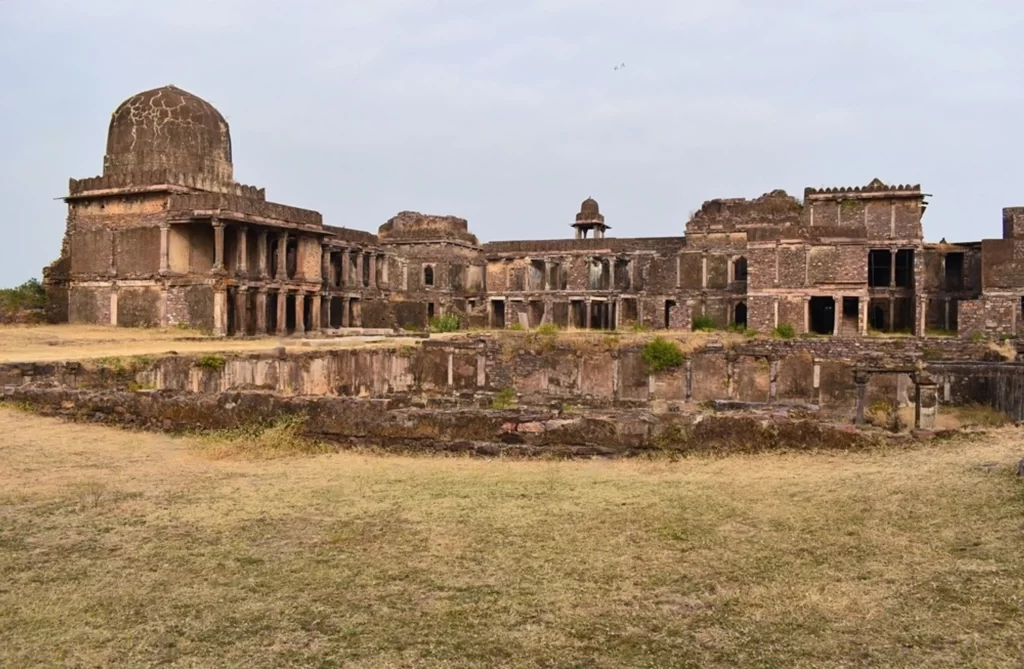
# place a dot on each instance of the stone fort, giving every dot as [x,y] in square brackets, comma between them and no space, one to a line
[166,237]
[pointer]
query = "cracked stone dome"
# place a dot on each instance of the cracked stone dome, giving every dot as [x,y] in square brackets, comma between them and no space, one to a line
[168,129]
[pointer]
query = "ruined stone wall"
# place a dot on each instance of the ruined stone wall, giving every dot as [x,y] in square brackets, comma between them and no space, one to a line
[771,209]
[992,315]
[116,236]
[139,307]
[89,304]
[190,305]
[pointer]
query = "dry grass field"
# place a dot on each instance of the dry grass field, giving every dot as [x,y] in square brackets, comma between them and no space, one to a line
[51,343]
[121,549]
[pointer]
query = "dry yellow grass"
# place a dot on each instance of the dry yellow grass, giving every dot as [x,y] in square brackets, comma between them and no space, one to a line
[120,549]
[50,343]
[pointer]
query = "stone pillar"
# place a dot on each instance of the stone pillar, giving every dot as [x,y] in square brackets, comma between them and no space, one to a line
[344,310]
[862,316]
[837,314]
[926,403]
[243,250]
[586,325]
[314,313]
[807,314]
[113,305]
[704,271]
[261,311]
[241,311]
[346,267]
[325,264]
[220,312]
[282,312]
[165,250]
[372,257]
[892,314]
[300,313]
[359,269]
[384,270]
[261,251]
[892,268]
[945,310]
[282,256]
[860,380]
[547,275]
[921,315]
[218,245]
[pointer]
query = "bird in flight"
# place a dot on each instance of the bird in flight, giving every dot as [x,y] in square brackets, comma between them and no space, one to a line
[620,66]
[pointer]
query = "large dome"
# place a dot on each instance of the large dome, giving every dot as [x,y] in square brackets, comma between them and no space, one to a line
[168,129]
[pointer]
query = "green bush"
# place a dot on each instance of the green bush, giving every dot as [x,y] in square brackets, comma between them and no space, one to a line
[661,354]
[212,362]
[548,329]
[446,323]
[784,331]
[517,326]
[29,295]
[504,399]
[704,323]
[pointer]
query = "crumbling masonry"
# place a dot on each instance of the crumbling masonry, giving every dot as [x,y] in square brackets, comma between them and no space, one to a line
[166,236]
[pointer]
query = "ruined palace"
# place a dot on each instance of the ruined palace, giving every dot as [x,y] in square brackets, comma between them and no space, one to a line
[166,236]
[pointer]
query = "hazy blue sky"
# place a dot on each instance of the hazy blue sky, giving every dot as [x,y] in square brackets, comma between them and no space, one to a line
[510,113]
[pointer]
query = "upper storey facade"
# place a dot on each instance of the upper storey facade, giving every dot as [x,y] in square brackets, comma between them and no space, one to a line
[165,236]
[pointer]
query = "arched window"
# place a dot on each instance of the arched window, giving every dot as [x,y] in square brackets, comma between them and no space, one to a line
[739,269]
[739,316]
[428,275]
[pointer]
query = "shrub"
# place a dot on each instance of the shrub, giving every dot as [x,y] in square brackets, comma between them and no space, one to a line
[743,330]
[548,329]
[504,399]
[212,362]
[885,414]
[703,323]
[517,326]
[661,354]
[784,331]
[446,323]
[26,297]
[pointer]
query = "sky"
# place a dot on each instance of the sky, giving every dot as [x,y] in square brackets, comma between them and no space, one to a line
[509,114]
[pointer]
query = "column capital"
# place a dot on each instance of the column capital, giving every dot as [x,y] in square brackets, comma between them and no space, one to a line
[216,222]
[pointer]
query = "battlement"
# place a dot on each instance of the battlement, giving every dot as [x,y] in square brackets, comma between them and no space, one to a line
[187,202]
[874,189]
[141,179]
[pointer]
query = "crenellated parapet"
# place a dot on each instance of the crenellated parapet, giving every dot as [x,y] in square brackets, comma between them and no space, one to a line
[877,188]
[151,178]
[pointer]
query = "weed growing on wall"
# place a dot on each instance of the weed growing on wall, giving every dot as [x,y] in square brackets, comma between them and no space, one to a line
[661,354]
[446,323]
[784,331]
[703,323]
